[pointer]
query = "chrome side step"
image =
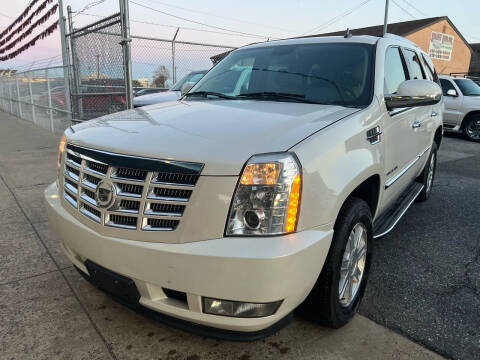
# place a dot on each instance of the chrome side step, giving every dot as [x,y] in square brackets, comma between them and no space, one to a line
[387,221]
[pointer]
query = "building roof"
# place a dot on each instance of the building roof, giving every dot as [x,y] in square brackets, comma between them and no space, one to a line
[475,47]
[403,28]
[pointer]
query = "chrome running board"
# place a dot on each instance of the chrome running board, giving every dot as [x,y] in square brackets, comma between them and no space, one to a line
[387,221]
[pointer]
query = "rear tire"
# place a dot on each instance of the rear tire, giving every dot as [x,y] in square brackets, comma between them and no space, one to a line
[326,304]
[471,128]
[428,175]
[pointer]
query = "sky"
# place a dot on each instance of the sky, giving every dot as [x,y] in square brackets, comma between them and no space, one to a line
[252,21]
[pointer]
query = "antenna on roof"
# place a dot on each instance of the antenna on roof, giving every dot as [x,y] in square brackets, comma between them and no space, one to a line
[386,18]
[348,34]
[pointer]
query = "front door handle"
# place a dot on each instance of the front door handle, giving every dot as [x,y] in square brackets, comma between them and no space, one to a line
[416,125]
[434,113]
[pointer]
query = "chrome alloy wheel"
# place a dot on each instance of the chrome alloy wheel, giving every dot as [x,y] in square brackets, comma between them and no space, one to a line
[473,130]
[353,265]
[431,169]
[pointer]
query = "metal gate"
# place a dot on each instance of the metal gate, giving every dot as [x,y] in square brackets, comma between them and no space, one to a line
[98,85]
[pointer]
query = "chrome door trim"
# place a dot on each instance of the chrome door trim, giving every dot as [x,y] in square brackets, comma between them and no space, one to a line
[405,169]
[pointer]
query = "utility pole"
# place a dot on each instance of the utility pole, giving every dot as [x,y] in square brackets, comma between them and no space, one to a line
[127,52]
[385,23]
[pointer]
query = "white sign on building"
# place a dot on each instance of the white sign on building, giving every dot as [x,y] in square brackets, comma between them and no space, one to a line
[441,46]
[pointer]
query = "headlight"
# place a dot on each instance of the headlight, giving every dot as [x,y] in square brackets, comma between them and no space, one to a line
[61,149]
[267,198]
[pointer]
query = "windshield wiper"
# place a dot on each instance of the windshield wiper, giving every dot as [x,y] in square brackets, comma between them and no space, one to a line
[210,93]
[270,95]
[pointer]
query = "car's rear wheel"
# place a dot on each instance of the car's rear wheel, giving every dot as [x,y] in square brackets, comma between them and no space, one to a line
[428,175]
[336,295]
[471,128]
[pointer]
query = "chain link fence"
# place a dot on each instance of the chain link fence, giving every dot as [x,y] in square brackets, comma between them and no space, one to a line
[38,96]
[95,67]
[161,63]
[98,81]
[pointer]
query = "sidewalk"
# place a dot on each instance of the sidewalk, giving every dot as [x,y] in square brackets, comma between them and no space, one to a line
[48,311]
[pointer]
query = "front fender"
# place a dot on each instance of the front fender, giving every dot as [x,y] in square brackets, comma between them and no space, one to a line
[335,162]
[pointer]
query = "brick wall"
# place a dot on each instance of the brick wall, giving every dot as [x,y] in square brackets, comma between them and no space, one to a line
[461,54]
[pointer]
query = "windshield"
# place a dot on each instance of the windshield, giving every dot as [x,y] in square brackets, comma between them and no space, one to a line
[316,73]
[468,87]
[192,77]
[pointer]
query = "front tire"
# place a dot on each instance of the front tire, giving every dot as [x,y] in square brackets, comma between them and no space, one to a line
[339,289]
[471,128]
[428,175]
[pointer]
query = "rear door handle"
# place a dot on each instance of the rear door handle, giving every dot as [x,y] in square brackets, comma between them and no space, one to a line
[416,125]
[434,113]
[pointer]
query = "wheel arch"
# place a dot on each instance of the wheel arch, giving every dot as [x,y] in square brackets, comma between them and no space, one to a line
[368,190]
[438,136]
[468,116]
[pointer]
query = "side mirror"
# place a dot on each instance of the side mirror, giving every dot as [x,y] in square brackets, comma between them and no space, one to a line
[412,93]
[186,87]
[452,92]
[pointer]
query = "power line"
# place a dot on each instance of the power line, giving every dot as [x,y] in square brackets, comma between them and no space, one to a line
[404,10]
[173,26]
[221,17]
[415,8]
[197,22]
[7,16]
[336,18]
[88,6]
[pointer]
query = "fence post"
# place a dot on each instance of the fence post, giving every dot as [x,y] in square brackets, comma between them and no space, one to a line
[65,61]
[174,70]
[10,95]
[18,99]
[49,100]
[34,118]
[127,53]
[78,102]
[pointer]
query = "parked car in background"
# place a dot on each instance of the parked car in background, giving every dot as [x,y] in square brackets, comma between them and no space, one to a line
[261,191]
[171,95]
[148,91]
[462,106]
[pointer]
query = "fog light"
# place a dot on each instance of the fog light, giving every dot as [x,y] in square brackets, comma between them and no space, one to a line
[239,309]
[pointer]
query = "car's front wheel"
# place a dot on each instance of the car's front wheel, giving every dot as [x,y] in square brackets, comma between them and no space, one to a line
[336,295]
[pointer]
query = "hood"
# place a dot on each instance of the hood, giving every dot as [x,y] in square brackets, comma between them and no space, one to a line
[222,134]
[156,98]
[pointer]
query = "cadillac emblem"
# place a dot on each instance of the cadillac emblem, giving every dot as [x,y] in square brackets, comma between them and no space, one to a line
[105,194]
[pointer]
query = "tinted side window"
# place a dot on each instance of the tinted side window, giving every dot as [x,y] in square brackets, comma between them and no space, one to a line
[431,72]
[446,85]
[394,71]
[416,71]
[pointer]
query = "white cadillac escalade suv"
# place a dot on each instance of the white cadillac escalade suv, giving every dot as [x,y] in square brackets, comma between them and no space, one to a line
[260,190]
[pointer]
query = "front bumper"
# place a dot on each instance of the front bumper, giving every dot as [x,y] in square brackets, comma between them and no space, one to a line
[246,269]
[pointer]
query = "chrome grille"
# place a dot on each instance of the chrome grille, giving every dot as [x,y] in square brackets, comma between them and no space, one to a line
[146,199]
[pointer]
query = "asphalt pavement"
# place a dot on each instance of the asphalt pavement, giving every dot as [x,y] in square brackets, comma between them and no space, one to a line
[423,289]
[425,276]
